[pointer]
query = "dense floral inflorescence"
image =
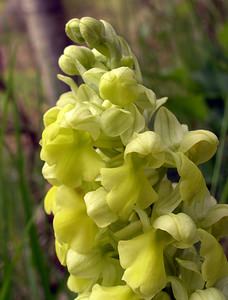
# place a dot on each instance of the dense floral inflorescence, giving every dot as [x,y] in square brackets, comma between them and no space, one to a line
[123,228]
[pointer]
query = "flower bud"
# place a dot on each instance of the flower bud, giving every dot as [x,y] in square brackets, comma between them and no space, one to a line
[67,65]
[119,86]
[84,55]
[127,61]
[72,55]
[92,31]
[73,31]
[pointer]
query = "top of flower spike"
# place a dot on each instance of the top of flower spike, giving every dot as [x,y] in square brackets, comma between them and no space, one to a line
[101,36]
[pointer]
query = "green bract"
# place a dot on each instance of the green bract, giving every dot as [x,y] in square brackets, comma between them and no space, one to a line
[123,229]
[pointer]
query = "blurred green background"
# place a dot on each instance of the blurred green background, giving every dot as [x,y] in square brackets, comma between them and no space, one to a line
[182,46]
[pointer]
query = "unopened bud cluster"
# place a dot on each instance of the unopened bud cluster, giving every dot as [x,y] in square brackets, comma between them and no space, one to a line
[123,228]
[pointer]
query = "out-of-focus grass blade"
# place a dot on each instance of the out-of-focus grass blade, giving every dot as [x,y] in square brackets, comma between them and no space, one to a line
[27,203]
[219,156]
[4,201]
[8,263]
[224,194]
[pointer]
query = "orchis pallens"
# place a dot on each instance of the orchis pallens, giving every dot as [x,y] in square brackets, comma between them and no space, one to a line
[123,229]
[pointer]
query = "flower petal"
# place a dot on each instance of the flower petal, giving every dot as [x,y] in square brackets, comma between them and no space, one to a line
[49,200]
[121,292]
[142,257]
[87,265]
[215,265]
[80,285]
[222,285]
[215,214]
[127,186]
[98,209]
[208,294]
[168,128]
[192,184]
[178,288]
[146,144]
[168,198]
[115,121]
[72,154]
[119,86]
[162,296]
[180,226]
[61,252]
[199,145]
[71,223]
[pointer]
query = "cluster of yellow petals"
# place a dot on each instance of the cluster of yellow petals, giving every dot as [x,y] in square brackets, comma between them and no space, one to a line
[123,229]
